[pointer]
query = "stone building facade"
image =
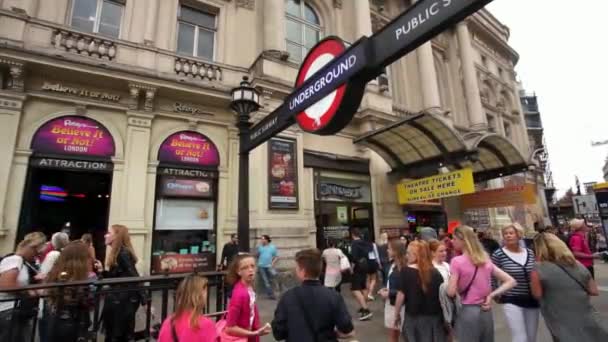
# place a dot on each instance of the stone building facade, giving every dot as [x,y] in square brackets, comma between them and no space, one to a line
[155,75]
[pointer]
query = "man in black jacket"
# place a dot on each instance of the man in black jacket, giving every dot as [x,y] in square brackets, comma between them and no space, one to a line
[311,312]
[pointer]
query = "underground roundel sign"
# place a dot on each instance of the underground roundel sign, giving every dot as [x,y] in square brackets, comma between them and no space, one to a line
[333,112]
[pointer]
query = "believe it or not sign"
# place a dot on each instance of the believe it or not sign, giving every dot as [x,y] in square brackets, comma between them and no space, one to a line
[179,187]
[74,135]
[498,198]
[82,92]
[187,147]
[445,185]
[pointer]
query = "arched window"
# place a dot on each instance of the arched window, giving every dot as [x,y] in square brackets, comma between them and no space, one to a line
[303,29]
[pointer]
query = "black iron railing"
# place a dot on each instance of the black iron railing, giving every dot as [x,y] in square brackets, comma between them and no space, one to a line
[157,291]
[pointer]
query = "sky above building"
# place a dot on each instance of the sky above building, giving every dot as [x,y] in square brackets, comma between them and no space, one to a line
[562,48]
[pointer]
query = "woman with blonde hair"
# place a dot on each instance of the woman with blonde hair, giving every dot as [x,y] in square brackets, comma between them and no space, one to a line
[419,291]
[18,270]
[120,308]
[563,287]
[396,253]
[188,322]
[470,278]
[521,308]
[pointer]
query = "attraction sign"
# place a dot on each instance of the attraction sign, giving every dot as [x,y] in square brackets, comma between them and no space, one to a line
[331,81]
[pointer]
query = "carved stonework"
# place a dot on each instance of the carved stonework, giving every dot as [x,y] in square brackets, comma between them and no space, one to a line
[149,101]
[276,54]
[338,4]
[247,4]
[139,121]
[16,70]
[377,23]
[148,92]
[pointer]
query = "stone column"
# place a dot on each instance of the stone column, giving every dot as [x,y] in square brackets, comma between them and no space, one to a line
[151,22]
[137,149]
[11,105]
[138,20]
[428,76]
[363,19]
[274,27]
[166,26]
[477,118]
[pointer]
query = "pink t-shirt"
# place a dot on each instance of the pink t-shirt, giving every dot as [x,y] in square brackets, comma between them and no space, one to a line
[206,331]
[481,287]
[579,243]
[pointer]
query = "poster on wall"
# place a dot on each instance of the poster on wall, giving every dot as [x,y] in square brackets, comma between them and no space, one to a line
[184,214]
[187,147]
[184,187]
[74,135]
[282,174]
[182,263]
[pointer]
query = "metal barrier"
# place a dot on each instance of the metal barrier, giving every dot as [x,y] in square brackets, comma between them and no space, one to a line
[158,291]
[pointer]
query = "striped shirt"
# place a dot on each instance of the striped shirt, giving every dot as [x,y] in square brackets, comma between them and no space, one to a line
[520,295]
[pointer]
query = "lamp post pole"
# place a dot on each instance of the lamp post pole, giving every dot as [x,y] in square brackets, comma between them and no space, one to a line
[245,100]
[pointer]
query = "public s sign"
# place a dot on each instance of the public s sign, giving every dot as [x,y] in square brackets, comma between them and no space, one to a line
[331,81]
[331,113]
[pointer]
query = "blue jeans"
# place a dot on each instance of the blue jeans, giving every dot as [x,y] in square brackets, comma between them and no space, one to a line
[267,275]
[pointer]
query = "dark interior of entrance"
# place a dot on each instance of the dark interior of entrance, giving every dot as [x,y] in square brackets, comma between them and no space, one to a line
[54,199]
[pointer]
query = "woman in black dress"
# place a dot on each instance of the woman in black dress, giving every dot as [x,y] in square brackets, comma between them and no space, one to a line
[120,308]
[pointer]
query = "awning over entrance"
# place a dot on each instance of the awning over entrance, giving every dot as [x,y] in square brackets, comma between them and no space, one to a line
[417,146]
[497,156]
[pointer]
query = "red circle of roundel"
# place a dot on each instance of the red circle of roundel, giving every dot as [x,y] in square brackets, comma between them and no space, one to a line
[332,46]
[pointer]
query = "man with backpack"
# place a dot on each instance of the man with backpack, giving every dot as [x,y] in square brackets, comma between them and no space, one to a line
[311,312]
[360,251]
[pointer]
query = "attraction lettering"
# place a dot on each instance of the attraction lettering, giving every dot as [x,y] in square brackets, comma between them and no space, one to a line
[72,164]
[187,173]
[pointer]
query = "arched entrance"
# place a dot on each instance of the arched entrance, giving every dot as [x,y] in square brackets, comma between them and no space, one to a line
[185,225]
[69,180]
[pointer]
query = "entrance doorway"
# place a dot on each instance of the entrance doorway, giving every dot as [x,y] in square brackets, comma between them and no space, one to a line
[56,199]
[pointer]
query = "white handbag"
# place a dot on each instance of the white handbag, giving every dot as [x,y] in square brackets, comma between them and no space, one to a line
[344,263]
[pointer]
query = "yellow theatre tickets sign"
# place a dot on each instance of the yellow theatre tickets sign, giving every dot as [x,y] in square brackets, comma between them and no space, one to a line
[445,185]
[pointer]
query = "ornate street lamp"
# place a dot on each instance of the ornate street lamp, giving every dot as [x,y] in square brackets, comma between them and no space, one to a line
[245,100]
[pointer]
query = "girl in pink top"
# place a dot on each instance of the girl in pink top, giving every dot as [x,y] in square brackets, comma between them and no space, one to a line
[243,319]
[188,324]
[470,278]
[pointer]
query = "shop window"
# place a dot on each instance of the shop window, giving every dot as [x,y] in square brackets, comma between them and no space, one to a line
[196,33]
[98,16]
[303,29]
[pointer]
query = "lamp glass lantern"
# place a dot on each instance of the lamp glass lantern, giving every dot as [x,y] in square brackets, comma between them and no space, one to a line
[245,98]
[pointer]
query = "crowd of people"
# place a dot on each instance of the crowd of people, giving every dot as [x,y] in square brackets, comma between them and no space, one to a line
[64,314]
[435,288]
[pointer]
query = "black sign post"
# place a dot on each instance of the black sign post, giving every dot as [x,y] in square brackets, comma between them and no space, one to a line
[356,66]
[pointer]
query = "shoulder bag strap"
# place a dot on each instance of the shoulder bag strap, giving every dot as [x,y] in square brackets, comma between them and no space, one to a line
[173,331]
[574,278]
[307,318]
[466,290]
